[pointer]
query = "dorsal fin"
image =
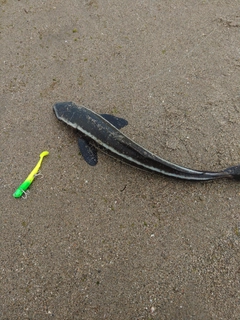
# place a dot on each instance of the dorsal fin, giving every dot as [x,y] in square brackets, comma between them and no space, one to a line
[117,122]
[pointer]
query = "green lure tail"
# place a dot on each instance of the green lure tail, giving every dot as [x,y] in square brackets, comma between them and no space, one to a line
[26,184]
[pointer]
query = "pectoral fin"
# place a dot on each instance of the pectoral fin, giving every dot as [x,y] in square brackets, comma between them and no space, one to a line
[119,123]
[88,152]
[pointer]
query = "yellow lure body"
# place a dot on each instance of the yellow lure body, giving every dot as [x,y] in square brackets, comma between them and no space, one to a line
[25,185]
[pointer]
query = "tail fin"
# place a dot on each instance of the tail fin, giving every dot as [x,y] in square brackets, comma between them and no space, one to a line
[234,172]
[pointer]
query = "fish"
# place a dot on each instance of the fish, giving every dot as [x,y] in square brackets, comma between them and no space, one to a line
[102,131]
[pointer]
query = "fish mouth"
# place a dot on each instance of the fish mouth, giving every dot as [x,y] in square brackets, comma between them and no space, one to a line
[58,109]
[62,109]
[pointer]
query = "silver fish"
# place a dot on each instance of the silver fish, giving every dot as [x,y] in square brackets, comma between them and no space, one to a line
[102,131]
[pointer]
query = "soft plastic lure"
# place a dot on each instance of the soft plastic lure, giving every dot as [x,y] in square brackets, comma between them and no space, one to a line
[21,190]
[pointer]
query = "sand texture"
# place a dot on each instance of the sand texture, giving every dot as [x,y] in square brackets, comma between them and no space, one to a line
[113,242]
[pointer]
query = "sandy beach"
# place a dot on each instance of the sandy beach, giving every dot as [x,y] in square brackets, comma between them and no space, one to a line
[111,241]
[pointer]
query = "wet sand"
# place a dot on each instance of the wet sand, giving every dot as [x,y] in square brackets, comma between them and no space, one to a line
[111,241]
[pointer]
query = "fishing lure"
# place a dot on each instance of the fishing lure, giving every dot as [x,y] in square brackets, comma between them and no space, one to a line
[102,131]
[21,190]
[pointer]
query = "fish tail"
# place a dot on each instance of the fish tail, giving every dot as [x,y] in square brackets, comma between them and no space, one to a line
[234,172]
